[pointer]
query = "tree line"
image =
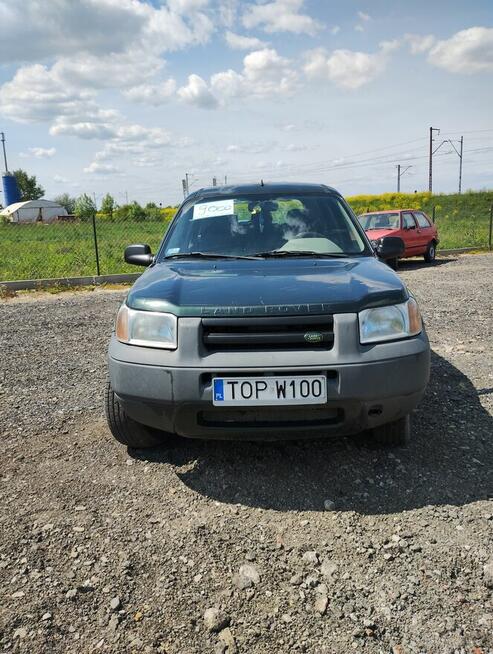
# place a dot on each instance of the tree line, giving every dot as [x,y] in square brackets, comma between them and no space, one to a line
[84,206]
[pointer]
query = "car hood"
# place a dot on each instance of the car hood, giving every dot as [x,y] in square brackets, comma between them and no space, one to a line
[266,287]
[375,234]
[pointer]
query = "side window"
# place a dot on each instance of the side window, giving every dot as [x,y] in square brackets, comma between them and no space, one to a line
[408,221]
[422,219]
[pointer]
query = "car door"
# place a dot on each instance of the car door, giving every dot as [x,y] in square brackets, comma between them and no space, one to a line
[411,237]
[425,232]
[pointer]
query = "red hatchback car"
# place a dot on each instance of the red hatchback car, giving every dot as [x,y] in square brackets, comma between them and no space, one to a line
[419,234]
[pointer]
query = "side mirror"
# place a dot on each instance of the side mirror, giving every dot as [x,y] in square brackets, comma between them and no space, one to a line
[390,247]
[138,255]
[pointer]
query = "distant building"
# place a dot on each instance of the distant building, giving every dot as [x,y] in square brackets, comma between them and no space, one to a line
[32,211]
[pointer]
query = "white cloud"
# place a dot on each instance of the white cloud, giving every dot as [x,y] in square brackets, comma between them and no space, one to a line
[35,94]
[151,94]
[364,18]
[39,153]
[252,148]
[64,95]
[86,130]
[197,92]
[119,71]
[34,30]
[347,68]
[419,43]
[138,145]
[335,30]
[69,87]
[186,6]
[296,147]
[264,73]
[280,16]
[59,179]
[96,168]
[467,51]
[120,48]
[228,10]
[240,42]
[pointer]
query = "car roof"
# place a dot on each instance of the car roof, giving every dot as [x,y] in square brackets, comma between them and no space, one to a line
[261,188]
[370,213]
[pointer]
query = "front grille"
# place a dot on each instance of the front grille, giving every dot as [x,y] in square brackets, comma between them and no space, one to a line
[273,332]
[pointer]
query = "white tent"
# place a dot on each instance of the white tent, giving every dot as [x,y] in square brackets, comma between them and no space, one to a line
[32,211]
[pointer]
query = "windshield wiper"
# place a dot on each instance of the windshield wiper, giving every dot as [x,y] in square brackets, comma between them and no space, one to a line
[209,255]
[300,253]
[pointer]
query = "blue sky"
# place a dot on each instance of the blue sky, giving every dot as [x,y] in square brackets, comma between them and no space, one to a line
[127,96]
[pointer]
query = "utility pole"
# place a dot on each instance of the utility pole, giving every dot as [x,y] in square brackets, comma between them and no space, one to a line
[459,154]
[184,185]
[399,175]
[4,152]
[225,180]
[430,174]
[214,181]
[187,184]
[460,164]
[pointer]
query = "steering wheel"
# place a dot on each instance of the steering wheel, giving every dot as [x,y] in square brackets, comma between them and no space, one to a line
[310,235]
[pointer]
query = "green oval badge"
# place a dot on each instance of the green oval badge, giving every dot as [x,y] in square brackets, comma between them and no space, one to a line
[314,337]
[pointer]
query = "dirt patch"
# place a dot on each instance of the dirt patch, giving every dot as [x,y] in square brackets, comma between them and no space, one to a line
[227,547]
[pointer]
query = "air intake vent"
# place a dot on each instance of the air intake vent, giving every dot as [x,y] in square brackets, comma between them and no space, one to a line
[279,332]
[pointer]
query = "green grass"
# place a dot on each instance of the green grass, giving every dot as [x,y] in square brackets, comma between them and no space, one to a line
[67,249]
[462,220]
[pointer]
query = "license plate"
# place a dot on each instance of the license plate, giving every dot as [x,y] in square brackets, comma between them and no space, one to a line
[267,391]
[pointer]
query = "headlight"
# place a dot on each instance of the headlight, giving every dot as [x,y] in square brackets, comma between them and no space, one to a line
[147,328]
[390,323]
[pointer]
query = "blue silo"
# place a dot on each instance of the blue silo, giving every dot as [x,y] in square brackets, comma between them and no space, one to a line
[10,189]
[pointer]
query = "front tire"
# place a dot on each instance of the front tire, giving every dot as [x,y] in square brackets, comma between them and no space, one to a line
[393,434]
[431,252]
[126,430]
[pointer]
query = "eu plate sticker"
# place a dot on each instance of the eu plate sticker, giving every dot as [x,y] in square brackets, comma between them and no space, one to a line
[218,390]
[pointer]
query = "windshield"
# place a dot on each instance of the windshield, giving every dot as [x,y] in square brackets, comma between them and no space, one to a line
[248,226]
[379,221]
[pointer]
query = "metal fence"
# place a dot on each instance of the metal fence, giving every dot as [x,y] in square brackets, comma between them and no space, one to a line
[73,247]
[95,245]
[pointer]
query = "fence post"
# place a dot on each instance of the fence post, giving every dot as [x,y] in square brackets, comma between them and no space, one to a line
[95,243]
[433,215]
[491,227]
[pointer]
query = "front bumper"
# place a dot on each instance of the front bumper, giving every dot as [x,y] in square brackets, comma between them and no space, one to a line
[382,383]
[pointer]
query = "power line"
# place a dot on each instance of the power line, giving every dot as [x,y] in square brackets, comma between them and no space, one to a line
[471,131]
[365,163]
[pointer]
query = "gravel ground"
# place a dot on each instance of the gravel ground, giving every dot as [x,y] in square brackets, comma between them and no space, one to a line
[227,547]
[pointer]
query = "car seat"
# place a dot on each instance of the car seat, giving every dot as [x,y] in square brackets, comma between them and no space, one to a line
[215,235]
